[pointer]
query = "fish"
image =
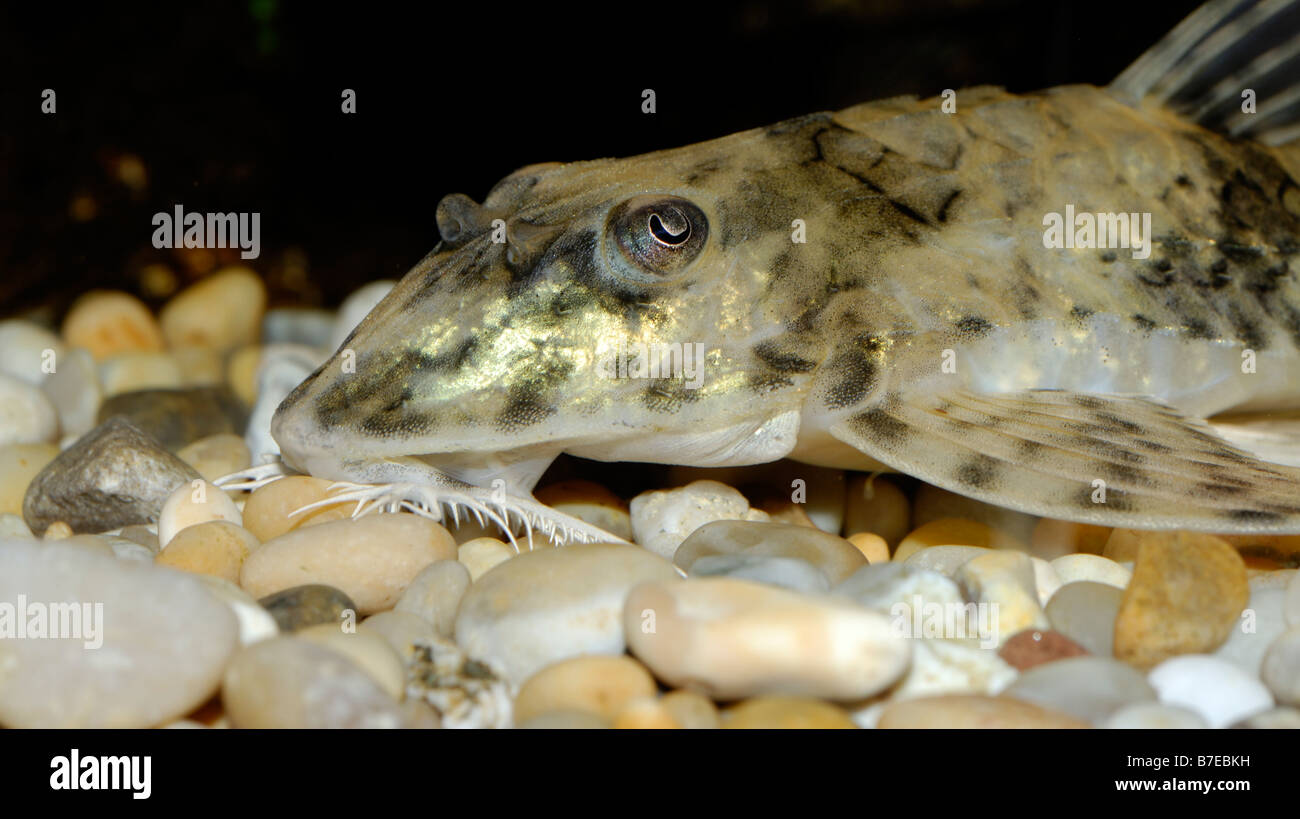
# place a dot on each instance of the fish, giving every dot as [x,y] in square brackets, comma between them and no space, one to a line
[889,287]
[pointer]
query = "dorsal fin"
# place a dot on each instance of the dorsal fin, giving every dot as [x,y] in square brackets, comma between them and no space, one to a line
[1202,67]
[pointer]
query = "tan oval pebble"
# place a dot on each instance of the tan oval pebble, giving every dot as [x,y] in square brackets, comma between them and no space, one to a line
[19,463]
[222,311]
[645,713]
[241,373]
[372,559]
[194,503]
[1052,538]
[108,322]
[268,511]
[217,547]
[217,455]
[691,710]
[131,372]
[285,682]
[599,684]
[786,713]
[873,546]
[200,366]
[954,532]
[877,505]
[589,502]
[973,711]
[370,651]
[401,629]
[565,720]
[483,554]
[58,530]
[435,594]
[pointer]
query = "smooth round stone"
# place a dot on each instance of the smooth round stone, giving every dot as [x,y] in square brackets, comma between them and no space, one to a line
[945,560]
[1085,612]
[1186,596]
[1052,538]
[834,556]
[873,547]
[217,455]
[954,532]
[1004,581]
[883,586]
[401,629]
[482,554]
[221,312]
[356,307]
[1154,716]
[952,667]
[114,476]
[1261,622]
[368,650]
[268,511]
[690,710]
[565,721]
[1089,688]
[133,372]
[200,366]
[1280,670]
[781,510]
[286,682]
[29,350]
[730,639]
[645,713]
[74,390]
[309,605]
[783,572]
[662,520]
[108,322]
[13,526]
[1291,607]
[241,372]
[972,711]
[58,530]
[590,503]
[1033,647]
[1046,580]
[217,548]
[435,594]
[194,503]
[372,558]
[547,605]
[931,503]
[601,685]
[877,505]
[786,713]
[151,651]
[1217,690]
[1273,718]
[175,418]
[1094,568]
[26,415]
[808,494]
[255,622]
[19,463]
[312,326]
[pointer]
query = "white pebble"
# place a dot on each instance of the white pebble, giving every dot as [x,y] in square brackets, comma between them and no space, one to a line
[196,502]
[1216,689]
[661,520]
[26,415]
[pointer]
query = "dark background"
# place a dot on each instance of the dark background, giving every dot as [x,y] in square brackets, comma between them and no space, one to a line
[236,107]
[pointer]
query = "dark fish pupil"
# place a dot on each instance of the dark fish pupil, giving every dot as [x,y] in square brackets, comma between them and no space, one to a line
[672,228]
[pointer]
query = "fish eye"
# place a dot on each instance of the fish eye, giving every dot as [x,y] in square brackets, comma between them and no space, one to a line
[658,235]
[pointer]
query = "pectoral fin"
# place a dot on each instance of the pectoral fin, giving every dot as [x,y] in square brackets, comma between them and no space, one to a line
[1111,460]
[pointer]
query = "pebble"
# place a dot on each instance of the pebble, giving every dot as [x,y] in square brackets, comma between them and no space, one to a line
[369,651]
[730,639]
[124,549]
[784,572]
[812,494]
[176,418]
[564,721]
[833,556]
[601,685]
[1052,538]
[217,548]
[26,415]
[241,373]
[1280,669]
[1187,592]
[1095,568]
[786,713]
[280,368]
[287,682]
[1154,716]
[1220,692]
[1085,612]
[308,605]
[372,559]
[255,622]
[217,455]
[74,390]
[162,642]
[954,532]
[1276,579]
[875,504]
[590,503]
[662,520]
[268,511]
[1261,622]
[113,476]
[58,530]
[12,526]
[401,629]
[972,711]
[1032,647]
[133,372]
[29,351]
[1273,718]
[108,322]
[645,713]
[1088,688]
[1046,580]
[312,326]
[883,586]
[873,546]
[19,463]
[1004,581]
[1291,608]
[945,667]
[482,554]
[547,605]
[435,594]
[222,311]
[190,504]
[93,544]
[690,710]
[931,503]
[200,366]
[945,560]
[146,536]
[357,306]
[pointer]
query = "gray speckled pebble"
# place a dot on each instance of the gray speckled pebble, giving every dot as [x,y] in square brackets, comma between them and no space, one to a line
[786,572]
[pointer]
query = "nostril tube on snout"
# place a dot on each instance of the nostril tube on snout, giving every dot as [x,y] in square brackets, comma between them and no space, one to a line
[457,217]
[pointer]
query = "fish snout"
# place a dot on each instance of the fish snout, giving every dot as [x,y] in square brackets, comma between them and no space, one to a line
[460,219]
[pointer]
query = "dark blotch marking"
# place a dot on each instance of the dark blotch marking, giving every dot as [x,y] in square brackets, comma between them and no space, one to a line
[782,362]
[878,425]
[978,472]
[972,327]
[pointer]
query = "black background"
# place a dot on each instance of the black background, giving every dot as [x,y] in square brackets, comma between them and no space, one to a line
[236,107]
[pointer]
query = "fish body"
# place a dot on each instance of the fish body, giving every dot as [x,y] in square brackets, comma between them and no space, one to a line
[875,287]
